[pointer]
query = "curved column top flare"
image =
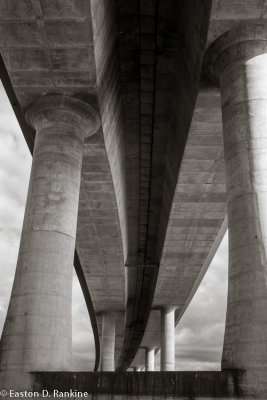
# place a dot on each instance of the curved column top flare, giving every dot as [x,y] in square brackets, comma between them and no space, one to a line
[169,308]
[235,47]
[61,108]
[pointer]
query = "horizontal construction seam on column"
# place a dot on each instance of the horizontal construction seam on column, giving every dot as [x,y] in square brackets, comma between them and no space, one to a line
[48,272]
[62,155]
[70,124]
[46,230]
[40,295]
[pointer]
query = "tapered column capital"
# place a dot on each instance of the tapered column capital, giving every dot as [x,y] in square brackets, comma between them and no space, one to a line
[235,47]
[167,309]
[62,109]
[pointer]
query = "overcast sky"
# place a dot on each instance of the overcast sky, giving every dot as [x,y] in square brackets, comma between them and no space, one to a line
[199,336]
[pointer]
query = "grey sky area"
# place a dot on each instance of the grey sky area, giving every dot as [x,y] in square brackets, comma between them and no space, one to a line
[199,336]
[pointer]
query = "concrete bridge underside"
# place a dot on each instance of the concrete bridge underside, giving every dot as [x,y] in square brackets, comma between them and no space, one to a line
[150,167]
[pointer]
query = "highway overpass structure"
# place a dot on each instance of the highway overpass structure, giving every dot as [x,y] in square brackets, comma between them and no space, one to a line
[147,124]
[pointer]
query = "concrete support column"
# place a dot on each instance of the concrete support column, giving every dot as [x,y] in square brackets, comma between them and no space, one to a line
[107,361]
[37,331]
[150,358]
[240,62]
[167,361]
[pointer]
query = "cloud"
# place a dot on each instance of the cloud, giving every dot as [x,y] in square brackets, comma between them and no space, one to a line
[15,164]
[199,335]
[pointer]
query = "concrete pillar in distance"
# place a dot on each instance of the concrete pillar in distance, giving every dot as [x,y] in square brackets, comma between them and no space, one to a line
[107,360]
[167,361]
[150,358]
[37,330]
[241,65]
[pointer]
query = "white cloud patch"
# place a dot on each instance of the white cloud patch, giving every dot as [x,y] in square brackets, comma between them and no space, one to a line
[199,335]
[15,161]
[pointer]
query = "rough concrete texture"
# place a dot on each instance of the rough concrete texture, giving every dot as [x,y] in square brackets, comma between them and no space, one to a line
[98,241]
[48,47]
[241,61]
[226,15]
[156,131]
[37,331]
[146,385]
[199,203]
[179,385]
[141,61]
[139,360]
[167,355]
[150,359]
[143,205]
[52,41]
[152,333]
[131,59]
[114,231]
[108,342]
[98,233]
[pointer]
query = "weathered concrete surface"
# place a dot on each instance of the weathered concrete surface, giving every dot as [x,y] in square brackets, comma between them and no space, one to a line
[154,88]
[98,242]
[226,15]
[240,61]
[48,47]
[145,78]
[167,356]
[150,359]
[199,204]
[199,207]
[29,134]
[37,331]
[152,334]
[146,385]
[184,385]
[108,342]
[140,359]
[119,331]
[131,58]
[156,120]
